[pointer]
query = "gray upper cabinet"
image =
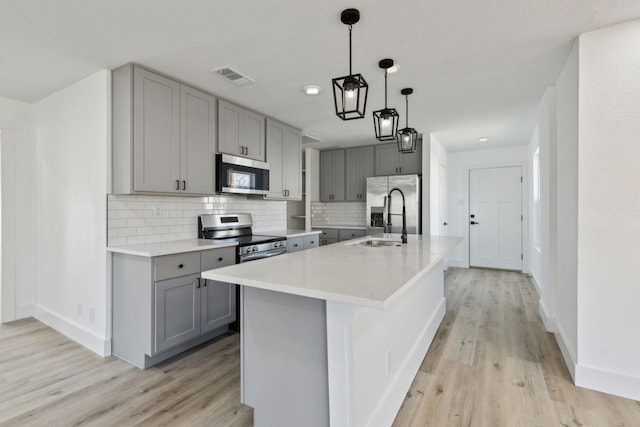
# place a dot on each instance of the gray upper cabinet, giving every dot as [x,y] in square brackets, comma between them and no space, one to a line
[389,161]
[284,158]
[241,132]
[359,167]
[332,176]
[164,134]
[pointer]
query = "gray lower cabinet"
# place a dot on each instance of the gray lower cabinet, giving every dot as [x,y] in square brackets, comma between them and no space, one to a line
[389,161]
[334,235]
[161,305]
[348,233]
[300,243]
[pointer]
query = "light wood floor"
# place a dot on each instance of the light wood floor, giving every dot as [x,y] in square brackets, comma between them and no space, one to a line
[491,364]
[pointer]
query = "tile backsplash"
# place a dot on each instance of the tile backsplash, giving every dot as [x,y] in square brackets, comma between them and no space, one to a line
[148,219]
[338,213]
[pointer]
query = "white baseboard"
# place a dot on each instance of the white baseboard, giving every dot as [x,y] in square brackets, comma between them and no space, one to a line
[99,345]
[611,382]
[24,311]
[567,351]
[391,402]
[536,284]
[456,263]
[548,320]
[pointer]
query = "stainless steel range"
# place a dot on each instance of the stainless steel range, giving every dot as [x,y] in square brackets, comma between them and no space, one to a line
[237,228]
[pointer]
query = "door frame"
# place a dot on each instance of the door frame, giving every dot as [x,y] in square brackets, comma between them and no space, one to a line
[524,207]
[8,310]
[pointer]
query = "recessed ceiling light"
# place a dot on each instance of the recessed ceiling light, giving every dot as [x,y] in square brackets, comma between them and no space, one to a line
[393,69]
[312,89]
[483,139]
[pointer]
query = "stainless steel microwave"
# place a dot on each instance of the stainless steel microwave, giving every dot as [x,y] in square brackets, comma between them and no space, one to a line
[237,175]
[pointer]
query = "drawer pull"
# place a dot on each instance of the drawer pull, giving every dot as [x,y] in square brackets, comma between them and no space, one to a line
[295,245]
[204,285]
[181,266]
[312,242]
[220,259]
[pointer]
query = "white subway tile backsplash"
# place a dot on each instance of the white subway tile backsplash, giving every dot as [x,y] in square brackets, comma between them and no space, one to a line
[132,219]
[338,213]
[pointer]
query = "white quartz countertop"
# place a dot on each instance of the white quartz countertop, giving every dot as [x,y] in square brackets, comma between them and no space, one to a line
[168,248]
[289,233]
[349,227]
[358,275]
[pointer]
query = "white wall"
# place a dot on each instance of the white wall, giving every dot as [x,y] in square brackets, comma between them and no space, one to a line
[566,208]
[17,191]
[608,267]
[545,277]
[437,158]
[533,251]
[72,141]
[458,164]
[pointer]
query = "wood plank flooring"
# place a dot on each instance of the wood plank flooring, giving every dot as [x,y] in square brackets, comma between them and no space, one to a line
[490,364]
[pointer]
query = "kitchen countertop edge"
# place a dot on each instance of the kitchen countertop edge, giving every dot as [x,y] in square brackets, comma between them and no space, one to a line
[168,248]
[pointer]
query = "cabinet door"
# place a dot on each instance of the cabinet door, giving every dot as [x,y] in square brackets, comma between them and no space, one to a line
[230,124]
[218,301]
[177,311]
[253,137]
[197,141]
[387,160]
[359,166]
[412,162]
[332,176]
[291,163]
[156,138]
[275,141]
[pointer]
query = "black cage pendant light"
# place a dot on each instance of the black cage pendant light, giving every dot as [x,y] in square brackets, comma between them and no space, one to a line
[385,121]
[350,92]
[407,137]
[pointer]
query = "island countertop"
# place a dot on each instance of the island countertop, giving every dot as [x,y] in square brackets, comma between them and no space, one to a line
[344,272]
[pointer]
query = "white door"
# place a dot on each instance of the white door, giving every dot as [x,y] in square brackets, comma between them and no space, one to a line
[495,218]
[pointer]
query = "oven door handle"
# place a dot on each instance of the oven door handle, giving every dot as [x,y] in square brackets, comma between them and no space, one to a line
[265,254]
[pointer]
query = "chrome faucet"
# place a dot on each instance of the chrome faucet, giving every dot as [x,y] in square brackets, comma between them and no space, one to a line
[387,209]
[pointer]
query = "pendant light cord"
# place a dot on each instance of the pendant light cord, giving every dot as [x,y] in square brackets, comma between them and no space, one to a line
[385,89]
[350,73]
[406,123]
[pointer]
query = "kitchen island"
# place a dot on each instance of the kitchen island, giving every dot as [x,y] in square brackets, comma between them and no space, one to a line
[335,335]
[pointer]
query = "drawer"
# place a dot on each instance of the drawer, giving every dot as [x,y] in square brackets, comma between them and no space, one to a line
[312,241]
[347,234]
[170,266]
[295,244]
[329,233]
[324,242]
[216,258]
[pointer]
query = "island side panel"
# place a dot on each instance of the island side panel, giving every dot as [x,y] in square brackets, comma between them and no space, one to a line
[284,358]
[383,352]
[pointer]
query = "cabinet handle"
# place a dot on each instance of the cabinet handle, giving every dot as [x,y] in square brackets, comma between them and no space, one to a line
[180,265]
[198,286]
[204,285]
[295,245]
[246,150]
[312,242]
[184,185]
[220,259]
[177,184]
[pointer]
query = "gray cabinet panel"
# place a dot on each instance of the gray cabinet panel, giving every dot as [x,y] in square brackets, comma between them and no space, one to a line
[359,166]
[284,157]
[177,311]
[156,138]
[198,140]
[240,132]
[176,265]
[332,180]
[217,258]
[218,304]
[254,135]
[295,244]
[389,161]
[312,241]
[348,234]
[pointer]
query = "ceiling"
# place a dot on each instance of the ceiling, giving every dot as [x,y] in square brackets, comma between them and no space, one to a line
[478,67]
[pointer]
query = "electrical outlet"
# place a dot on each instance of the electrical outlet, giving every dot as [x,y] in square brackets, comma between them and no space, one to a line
[79,309]
[388,361]
[92,314]
[157,210]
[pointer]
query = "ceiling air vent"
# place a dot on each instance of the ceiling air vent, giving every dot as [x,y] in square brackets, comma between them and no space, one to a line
[232,76]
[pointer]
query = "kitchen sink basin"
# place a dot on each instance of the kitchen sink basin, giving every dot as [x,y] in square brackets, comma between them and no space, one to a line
[378,243]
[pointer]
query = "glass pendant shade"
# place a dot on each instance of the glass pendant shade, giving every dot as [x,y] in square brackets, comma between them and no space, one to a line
[408,137]
[350,92]
[385,121]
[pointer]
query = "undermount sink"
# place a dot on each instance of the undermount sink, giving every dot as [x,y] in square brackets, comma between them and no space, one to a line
[378,243]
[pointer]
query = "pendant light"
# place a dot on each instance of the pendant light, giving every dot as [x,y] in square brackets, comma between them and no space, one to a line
[385,121]
[407,137]
[350,92]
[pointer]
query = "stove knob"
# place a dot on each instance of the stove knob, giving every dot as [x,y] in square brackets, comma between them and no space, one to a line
[276,244]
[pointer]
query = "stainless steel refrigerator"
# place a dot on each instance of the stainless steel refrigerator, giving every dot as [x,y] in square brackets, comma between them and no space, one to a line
[378,187]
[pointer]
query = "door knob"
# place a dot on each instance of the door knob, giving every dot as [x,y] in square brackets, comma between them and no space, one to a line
[445,224]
